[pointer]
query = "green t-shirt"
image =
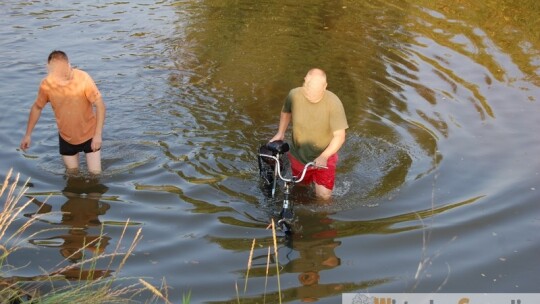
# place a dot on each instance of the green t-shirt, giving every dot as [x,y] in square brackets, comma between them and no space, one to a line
[313,124]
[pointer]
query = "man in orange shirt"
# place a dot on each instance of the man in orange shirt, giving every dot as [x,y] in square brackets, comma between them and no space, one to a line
[72,94]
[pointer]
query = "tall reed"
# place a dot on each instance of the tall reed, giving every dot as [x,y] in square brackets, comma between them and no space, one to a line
[268,258]
[91,286]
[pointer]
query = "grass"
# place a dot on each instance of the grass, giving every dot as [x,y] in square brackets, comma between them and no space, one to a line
[268,259]
[89,286]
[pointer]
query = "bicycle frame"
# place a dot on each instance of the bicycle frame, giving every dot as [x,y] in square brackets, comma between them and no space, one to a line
[286,214]
[277,172]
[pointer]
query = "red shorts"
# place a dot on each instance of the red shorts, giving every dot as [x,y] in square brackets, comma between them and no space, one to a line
[323,177]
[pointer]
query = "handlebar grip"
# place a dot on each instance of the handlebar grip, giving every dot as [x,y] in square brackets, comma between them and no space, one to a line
[312,164]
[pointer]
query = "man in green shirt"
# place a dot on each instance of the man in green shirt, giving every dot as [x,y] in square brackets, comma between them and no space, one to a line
[318,130]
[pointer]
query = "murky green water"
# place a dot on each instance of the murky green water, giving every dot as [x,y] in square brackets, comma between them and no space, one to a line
[437,186]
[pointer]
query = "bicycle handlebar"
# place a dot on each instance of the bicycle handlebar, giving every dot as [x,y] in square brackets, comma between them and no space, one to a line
[294,179]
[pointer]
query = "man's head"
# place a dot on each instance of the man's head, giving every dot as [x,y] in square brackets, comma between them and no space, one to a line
[58,65]
[57,55]
[314,85]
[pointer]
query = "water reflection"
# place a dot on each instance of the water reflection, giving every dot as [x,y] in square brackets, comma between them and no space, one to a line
[310,253]
[79,214]
[430,88]
[234,92]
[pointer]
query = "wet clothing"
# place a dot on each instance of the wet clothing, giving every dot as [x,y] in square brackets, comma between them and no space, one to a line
[319,176]
[313,124]
[72,106]
[69,149]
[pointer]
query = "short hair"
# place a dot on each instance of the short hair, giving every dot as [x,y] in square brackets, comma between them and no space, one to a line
[57,55]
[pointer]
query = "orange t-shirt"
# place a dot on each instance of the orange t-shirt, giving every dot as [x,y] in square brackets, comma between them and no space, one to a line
[72,105]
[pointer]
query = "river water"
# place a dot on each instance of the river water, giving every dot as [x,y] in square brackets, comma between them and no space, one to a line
[438,183]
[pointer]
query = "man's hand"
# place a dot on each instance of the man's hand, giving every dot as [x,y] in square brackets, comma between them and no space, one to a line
[277,137]
[96,143]
[334,146]
[33,117]
[321,161]
[25,142]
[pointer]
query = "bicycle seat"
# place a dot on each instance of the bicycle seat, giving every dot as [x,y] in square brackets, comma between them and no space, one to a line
[278,146]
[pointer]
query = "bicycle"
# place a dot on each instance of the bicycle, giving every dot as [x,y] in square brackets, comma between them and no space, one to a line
[277,150]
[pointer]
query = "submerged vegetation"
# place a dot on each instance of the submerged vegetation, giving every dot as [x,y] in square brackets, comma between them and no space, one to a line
[69,284]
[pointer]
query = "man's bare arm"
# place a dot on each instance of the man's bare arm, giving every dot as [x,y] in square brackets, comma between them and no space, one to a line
[100,117]
[335,144]
[33,117]
[284,120]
